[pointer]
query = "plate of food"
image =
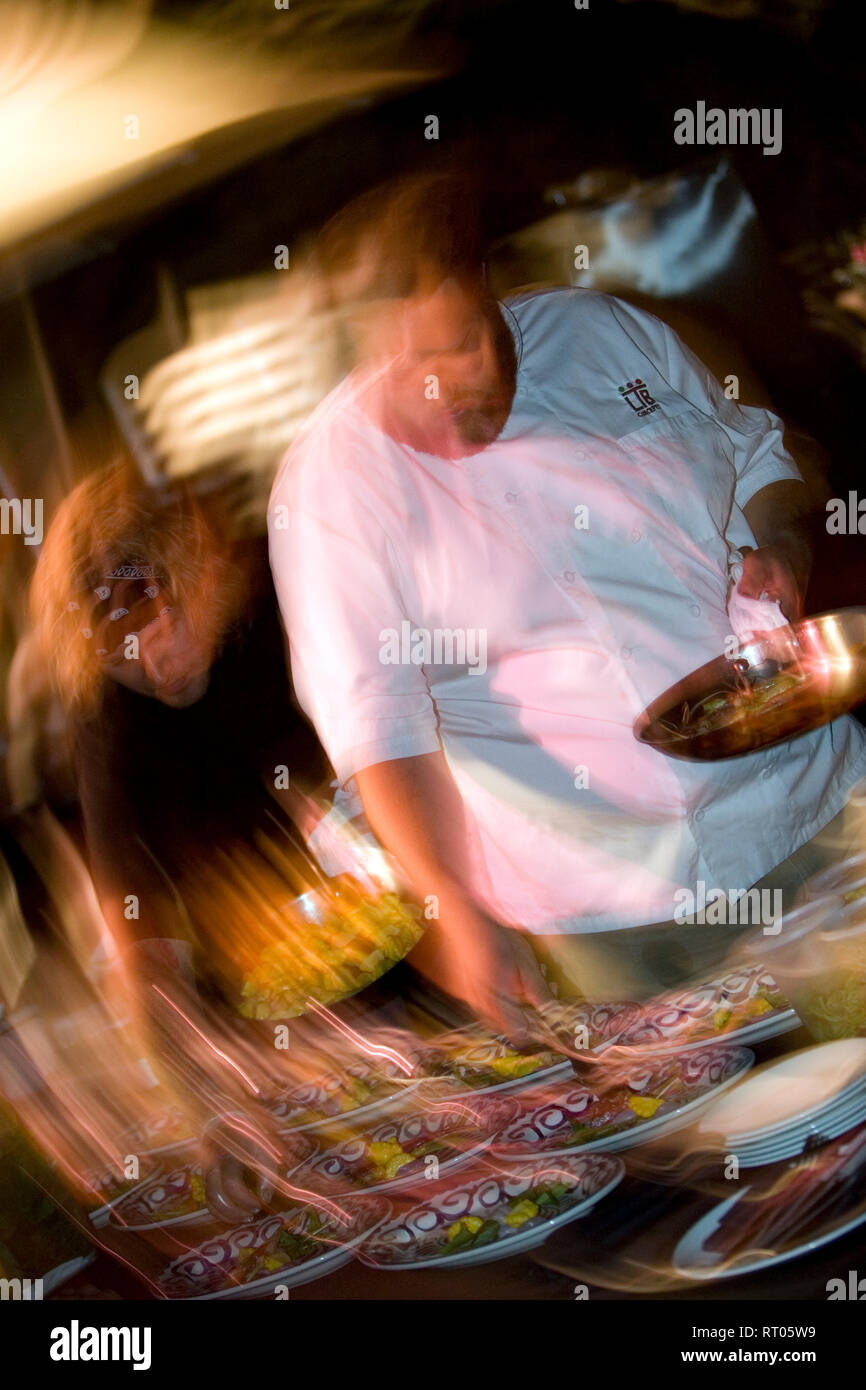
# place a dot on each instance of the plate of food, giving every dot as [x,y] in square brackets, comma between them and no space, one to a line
[472,1059]
[790,1211]
[780,684]
[176,1196]
[622,1106]
[173,1198]
[283,1250]
[111,1184]
[746,1005]
[488,1215]
[586,1027]
[355,1090]
[399,1151]
[163,1131]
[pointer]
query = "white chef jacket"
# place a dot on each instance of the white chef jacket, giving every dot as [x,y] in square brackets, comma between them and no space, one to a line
[587,616]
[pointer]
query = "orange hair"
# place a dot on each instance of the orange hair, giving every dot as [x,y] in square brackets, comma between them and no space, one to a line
[112,519]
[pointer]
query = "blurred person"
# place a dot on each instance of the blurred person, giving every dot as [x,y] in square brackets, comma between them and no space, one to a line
[41,780]
[170,668]
[166,652]
[555,491]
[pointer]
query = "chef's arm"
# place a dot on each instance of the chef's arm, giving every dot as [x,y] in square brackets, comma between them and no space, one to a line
[779,517]
[416,811]
[780,514]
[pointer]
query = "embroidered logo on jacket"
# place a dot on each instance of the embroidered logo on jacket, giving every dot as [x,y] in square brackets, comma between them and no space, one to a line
[637,394]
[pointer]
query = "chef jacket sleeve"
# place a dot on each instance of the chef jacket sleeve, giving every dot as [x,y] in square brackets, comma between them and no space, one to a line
[339,591]
[756,435]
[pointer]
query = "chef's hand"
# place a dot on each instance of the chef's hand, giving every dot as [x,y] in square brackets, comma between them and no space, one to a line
[778,572]
[488,966]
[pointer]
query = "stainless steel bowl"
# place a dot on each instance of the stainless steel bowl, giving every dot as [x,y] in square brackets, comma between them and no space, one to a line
[827,657]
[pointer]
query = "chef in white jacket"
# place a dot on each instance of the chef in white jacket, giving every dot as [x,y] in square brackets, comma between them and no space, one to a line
[503,535]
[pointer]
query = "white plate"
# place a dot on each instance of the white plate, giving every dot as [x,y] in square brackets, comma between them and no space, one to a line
[201,1216]
[665,1023]
[770,1026]
[478,1040]
[324,1264]
[630,1138]
[334,1257]
[818,1123]
[506,1246]
[565,1016]
[189,1218]
[61,1274]
[448,1166]
[793,1145]
[454,1086]
[135,1138]
[790,1091]
[813,1123]
[687,1255]
[366,1112]
[100,1216]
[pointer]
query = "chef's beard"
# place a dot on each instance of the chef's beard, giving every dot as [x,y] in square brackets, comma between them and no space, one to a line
[480,424]
[479,419]
[466,422]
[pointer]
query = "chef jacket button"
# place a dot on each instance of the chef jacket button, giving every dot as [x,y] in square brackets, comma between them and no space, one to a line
[569,576]
[635,534]
[625,652]
[699,815]
[696,609]
[511,496]
[768,772]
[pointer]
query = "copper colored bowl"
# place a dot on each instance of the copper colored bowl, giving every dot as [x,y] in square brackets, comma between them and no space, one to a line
[826,656]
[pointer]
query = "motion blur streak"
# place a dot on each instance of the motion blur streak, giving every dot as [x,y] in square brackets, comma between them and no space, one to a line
[368,1048]
[216,1050]
[76,74]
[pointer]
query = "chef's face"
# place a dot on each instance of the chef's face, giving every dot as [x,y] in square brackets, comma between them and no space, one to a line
[450,381]
[172,664]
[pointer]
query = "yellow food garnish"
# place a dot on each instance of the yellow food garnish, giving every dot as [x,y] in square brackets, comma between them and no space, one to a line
[196,1189]
[393,1168]
[466,1223]
[760,1005]
[523,1212]
[272,1262]
[389,1158]
[383,1151]
[645,1106]
[355,944]
[854,894]
[514,1065]
[720,1018]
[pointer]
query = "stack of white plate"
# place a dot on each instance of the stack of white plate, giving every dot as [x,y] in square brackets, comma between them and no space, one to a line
[792,1105]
